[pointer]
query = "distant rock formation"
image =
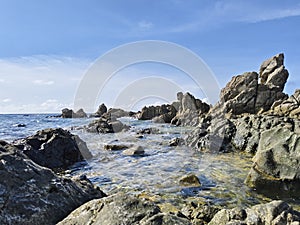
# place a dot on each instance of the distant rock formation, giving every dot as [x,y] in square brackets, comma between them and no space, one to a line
[69,113]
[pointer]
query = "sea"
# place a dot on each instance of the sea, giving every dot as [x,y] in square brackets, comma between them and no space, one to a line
[157,173]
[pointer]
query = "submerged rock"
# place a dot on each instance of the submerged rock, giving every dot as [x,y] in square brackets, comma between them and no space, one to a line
[121,209]
[31,194]
[135,150]
[275,212]
[54,148]
[190,180]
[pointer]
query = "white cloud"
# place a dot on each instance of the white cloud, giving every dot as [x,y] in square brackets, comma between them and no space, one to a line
[43,82]
[6,100]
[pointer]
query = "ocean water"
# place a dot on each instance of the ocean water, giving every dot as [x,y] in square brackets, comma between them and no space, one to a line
[155,174]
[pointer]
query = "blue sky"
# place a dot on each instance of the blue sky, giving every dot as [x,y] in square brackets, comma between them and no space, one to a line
[47,46]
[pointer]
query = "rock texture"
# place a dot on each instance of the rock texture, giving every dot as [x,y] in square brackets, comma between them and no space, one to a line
[69,113]
[273,213]
[31,194]
[54,148]
[276,165]
[101,110]
[189,110]
[104,125]
[121,209]
[160,114]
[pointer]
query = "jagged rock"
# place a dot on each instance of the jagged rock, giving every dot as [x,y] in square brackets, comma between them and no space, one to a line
[272,72]
[121,209]
[31,194]
[54,148]
[162,114]
[189,109]
[275,212]
[101,110]
[104,125]
[200,212]
[275,170]
[69,113]
[289,107]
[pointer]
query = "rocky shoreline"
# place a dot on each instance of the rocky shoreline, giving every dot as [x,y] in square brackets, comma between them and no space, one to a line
[253,116]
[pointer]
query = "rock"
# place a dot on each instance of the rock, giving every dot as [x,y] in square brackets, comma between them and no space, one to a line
[200,212]
[103,125]
[289,107]
[190,180]
[189,110]
[101,110]
[150,130]
[115,147]
[275,212]
[31,194]
[121,209]
[69,113]
[20,125]
[54,148]
[275,171]
[272,72]
[113,114]
[162,114]
[176,142]
[135,150]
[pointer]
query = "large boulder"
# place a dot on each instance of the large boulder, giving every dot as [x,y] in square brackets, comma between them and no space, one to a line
[275,171]
[189,109]
[275,212]
[121,209]
[164,113]
[101,110]
[54,148]
[31,194]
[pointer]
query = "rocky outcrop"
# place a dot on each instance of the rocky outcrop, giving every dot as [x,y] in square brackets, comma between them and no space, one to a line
[104,125]
[121,209]
[276,212]
[189,110]
[101,110]
[160,114]
[31,194]
[54,148]
[275,170]
[69,113]
[288,108]
[245,94]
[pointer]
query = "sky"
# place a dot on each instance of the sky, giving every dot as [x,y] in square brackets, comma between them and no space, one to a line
[47,47]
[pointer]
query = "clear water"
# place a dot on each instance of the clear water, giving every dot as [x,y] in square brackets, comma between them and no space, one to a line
[155,174]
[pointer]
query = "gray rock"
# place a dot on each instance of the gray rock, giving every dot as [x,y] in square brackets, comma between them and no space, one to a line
[69,113]
[103,125]
[135,150]
[163,113]
[275,212]
[120,209]
[54,148]
[115,147]
[275,171]
[31,194]
[101,110]
[190,180]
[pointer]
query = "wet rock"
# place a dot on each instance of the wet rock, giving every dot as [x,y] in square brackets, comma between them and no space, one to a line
[135,150]
[103,125]
[121,209]
[275,212]
[150,130]
[31,194]
[189,109]
[69,113]
[115,147]
[115,113]
[54,148]
[20,125]
[176,142]
[275,169]
[190,180]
